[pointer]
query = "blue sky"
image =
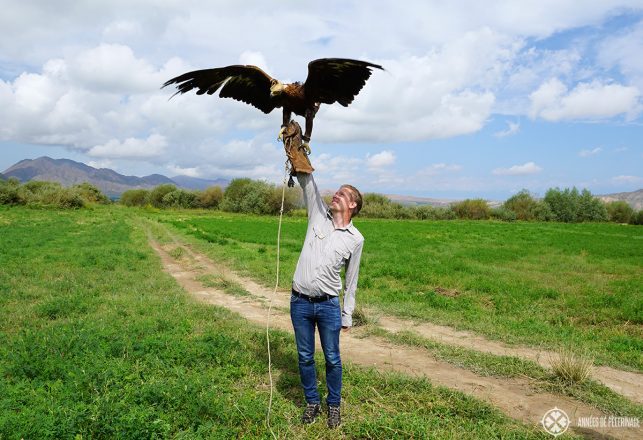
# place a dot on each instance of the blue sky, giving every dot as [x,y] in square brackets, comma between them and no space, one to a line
[478,100]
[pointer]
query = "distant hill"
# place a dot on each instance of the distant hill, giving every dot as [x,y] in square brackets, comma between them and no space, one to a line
[68,172]
[634,198]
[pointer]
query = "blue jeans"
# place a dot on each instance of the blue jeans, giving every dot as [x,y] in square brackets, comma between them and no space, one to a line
[327,316]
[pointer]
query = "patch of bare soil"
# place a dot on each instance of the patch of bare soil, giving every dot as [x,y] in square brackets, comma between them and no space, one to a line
[515,397]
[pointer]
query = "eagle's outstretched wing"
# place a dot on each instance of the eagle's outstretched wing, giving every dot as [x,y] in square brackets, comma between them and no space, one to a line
[249,84]
[333,80]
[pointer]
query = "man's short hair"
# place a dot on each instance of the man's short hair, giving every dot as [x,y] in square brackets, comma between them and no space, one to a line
[357,198]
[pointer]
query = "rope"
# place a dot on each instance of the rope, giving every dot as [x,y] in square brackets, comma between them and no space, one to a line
[274,292]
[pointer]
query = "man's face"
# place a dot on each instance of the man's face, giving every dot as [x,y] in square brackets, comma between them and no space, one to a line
[342,200]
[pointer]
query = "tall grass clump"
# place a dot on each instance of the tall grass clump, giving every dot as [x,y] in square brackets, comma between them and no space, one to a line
[570,366]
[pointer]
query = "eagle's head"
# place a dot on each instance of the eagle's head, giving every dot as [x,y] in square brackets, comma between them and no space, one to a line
[276,88]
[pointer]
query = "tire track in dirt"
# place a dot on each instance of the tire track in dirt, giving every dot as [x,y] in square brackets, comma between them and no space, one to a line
[514,397]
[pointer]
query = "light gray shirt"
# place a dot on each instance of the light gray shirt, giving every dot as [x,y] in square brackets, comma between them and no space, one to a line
[326,249]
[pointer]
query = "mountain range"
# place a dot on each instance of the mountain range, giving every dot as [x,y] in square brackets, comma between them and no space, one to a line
[113,184]
[68,172]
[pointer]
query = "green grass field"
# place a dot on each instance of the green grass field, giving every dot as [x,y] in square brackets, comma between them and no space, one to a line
[96,341]
[543,284]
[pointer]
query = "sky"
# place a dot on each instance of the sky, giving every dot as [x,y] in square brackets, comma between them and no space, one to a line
[478,99]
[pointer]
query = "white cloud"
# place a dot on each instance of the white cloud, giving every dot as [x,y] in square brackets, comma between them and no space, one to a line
[191,172]
[513,128]
[382,159]
[634,180]
[623,50]
[594,100]
[588,153]
[518,170]
[439,168]
[131,148]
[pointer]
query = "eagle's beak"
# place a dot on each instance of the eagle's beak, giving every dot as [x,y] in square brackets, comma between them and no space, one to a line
[276,89]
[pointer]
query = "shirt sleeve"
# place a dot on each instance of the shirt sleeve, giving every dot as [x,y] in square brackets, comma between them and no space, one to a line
[352,272]
[314,203]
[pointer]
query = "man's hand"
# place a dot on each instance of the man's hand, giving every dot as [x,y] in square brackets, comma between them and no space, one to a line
[345,329]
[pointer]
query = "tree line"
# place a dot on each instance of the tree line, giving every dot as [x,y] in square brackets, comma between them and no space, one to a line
[250,196]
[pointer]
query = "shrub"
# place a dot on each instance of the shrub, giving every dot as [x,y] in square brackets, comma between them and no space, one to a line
[504,214]
[637,218]
[472,209]
[563,203]
[135,197]
[375,198]
[523,205]
[619,211]
[180,198]
[50,194]
[257,197]
[210,198]
[590,209]
[234,194]
[91,193]
[543,212]
[156,195]
[9,191]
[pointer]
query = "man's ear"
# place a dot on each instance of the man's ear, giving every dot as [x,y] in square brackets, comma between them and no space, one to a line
[352,205]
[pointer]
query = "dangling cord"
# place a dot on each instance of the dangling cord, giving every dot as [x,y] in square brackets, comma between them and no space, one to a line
[274,292]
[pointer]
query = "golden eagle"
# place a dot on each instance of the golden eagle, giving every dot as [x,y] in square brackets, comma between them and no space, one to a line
[329,80]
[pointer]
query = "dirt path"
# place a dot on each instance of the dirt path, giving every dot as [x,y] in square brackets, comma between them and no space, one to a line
[515,397]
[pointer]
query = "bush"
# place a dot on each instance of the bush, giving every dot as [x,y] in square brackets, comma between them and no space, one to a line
[257,197]
[563,203]
[503,214]
[91,193]
[619,211]
[375,198]
[472,209]
[210,198]
[50,194]
[155,197]
[637,218]
[569,205]
[9,191]
[428,212]
[543,212]
[180,198]
[523,205]
[590,209]
[134,197]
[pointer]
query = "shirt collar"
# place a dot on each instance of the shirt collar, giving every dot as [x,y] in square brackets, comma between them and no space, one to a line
[349,227]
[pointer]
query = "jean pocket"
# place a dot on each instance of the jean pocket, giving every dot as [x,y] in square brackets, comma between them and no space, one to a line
[293,298]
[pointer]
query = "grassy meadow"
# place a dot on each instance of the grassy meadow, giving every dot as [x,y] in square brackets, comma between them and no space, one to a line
[547,285]
[96,341]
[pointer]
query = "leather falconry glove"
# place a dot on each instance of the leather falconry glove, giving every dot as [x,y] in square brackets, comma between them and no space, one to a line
[295,150]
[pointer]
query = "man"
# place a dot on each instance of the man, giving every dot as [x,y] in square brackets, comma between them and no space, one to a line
[331,242]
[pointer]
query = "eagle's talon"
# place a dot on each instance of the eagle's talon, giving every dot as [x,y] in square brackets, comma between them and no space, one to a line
[306,148]
[280,136]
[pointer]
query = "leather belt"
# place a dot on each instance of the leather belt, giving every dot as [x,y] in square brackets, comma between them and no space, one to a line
[312,299]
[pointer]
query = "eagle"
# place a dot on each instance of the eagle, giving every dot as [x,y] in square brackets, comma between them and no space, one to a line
[329,80]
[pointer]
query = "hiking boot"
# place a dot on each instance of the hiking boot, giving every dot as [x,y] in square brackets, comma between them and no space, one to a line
[310,413]
[334,417]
